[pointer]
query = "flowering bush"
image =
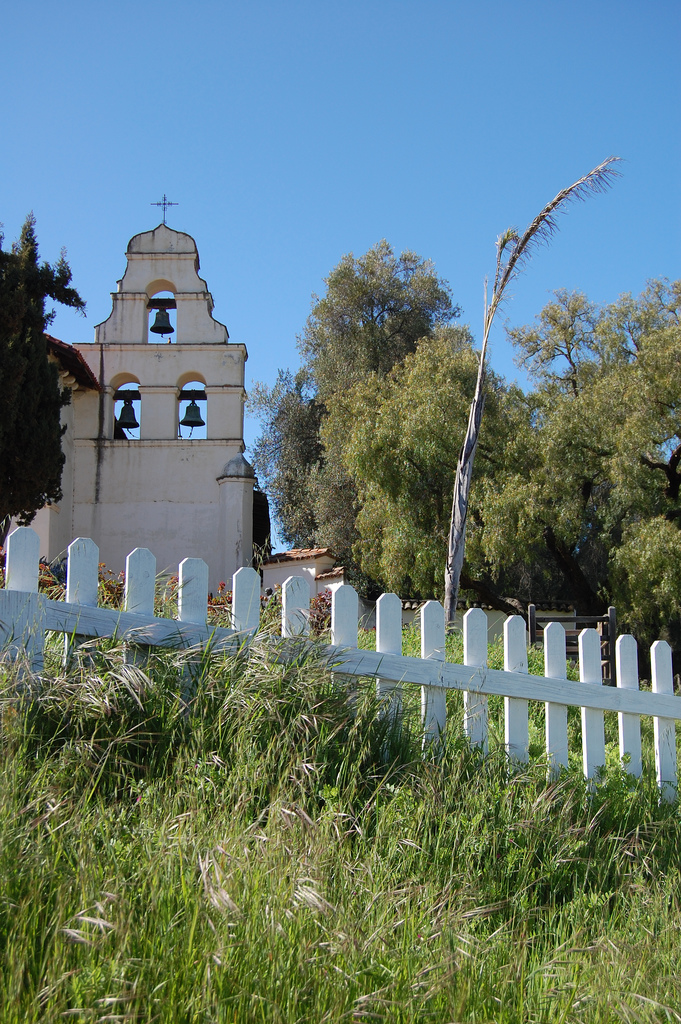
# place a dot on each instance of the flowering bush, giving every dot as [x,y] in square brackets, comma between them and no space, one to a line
[111,587]
[223,598]
[49,582]
[220,606]
[320,613]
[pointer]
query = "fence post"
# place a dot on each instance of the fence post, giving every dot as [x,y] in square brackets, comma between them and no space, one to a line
[140,593]
[475,713]
[295,606]
[192,595]
[612,633]
[593,736]
[140,582]
[389,641]
[626,667]
[21,618]
[82,572]
[555,667]
[664,728]
[433,698]
[532,623]
[82,578]
[192,606]
[246,600]
[344,616]
[516,726]
[23,560]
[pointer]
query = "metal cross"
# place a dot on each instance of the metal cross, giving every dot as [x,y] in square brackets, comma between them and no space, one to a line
[165,203]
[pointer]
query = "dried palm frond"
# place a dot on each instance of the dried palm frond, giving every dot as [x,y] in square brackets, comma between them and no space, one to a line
[513,252]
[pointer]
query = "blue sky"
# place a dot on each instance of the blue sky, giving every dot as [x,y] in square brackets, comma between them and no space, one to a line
[291,133]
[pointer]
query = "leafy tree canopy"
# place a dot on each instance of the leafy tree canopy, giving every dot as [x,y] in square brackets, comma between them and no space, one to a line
[375,310]
[577,488]
[288,449]
[591,480]
[31,459]
[602,451]
[400,437]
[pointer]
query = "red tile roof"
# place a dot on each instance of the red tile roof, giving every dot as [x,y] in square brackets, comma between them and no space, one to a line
[73,362]
[298,554]
[331,574]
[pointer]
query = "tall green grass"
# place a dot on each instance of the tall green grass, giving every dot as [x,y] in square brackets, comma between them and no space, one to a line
[272,850]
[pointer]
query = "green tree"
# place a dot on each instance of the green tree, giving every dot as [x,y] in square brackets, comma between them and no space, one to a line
[400,435]
[375,309]
[578,482]
[288,449]
[31,458]
[592,483]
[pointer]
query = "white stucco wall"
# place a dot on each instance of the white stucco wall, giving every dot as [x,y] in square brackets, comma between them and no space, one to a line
[162,260]
[161,371]
[331,585]
[175,496]
[275,575]
[163,496]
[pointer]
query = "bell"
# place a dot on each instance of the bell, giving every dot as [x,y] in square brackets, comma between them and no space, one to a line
[162,324]
[192,416]
[127,419]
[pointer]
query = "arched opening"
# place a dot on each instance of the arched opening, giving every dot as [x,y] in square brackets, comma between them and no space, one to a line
[162,311]
[127,411]
[192,407]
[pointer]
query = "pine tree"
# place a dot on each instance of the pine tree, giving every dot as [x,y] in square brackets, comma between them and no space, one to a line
[31,459]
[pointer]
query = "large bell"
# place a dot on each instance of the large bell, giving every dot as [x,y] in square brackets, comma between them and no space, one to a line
[192,416]
[127,419]
[162,324]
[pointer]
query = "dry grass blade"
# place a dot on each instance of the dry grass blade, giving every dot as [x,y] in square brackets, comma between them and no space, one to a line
[77,936]
[307,896]
[213,878]
[98,922]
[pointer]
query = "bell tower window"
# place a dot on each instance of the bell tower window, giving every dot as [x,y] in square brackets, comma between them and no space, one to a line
[162,318]
[192,410]
[127,412]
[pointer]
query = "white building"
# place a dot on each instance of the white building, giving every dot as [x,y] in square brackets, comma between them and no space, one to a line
[316,565]
[125,488]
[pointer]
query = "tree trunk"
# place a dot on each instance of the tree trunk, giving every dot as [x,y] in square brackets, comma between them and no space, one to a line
[508,605]
[512,251]
[587,601]
[462,486]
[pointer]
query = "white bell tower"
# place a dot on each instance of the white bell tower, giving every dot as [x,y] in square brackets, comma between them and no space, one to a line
[143,477]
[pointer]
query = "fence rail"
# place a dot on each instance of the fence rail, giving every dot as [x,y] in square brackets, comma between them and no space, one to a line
[26,615]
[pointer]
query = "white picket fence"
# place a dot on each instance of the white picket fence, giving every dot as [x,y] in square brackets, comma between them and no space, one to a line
[25,616]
